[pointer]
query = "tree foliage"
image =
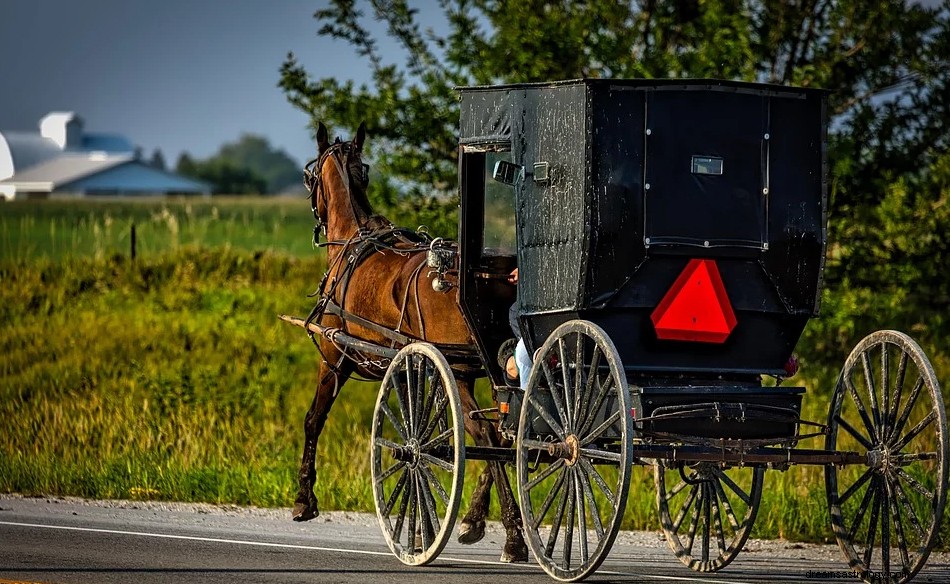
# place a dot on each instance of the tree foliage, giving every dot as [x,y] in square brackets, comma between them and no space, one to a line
[247,166]
[886,62]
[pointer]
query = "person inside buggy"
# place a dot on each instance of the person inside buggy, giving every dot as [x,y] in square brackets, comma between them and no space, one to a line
[518,365]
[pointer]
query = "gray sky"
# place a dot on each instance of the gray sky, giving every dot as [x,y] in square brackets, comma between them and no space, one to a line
[170,74]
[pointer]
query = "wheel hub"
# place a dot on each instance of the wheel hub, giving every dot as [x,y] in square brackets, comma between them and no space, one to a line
[569,450]
[411,452]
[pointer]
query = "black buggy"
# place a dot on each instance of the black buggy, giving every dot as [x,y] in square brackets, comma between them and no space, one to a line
[670,238]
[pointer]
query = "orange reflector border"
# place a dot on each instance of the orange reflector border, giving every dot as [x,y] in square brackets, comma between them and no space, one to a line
[503,407]
[696,307]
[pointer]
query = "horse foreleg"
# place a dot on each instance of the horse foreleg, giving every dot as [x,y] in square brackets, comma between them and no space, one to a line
[328,386]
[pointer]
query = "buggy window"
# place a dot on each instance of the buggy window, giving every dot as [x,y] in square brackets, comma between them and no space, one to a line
[498,235]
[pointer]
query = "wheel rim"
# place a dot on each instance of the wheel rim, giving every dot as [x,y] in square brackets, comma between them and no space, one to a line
[887,403]
[707,512]
[417,454]
[572,504]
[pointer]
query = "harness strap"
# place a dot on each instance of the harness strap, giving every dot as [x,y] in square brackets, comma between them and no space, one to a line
[334,309]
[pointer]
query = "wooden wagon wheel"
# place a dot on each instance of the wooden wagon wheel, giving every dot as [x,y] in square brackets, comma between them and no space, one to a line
[707,512]
[574,450]
[417,454]
[887,403]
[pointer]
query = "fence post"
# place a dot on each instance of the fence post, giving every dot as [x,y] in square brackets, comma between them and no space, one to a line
[132,243]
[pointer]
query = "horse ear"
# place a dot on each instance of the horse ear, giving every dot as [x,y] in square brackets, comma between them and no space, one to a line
[323,138]
[360,137]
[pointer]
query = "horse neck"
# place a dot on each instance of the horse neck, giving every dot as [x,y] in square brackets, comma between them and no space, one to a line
[345,216]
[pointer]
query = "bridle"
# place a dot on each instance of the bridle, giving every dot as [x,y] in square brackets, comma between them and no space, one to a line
[339,152]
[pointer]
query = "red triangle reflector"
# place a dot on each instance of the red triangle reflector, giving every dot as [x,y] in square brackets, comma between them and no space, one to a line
[696,307]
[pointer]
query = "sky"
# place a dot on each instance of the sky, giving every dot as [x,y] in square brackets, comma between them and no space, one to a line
[176,75]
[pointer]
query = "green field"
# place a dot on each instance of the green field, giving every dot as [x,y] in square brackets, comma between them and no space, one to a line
[170,377]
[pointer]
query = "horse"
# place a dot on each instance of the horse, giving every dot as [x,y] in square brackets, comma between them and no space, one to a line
[379,288]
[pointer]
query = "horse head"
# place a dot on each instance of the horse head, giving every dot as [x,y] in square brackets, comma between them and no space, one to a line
[337,180]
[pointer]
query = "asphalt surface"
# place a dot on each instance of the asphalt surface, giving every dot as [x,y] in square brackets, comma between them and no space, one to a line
[73,540]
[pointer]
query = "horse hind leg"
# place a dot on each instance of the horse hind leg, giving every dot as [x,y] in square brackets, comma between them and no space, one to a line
[515,550]
[328,386]
[472,527]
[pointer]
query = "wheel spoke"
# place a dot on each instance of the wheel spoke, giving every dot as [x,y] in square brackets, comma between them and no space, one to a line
[725,505]
[548,499]
[401,395]
[592,377]
[555,397]
[578,378]
[885,532]
[431,526]
[898,523]
[905,414]
[914,483]
[589,469]
[411,391]
[397,425]
[581,520]
[857,436]
[694,522]
[599,430]
[872,526]
[920,427]
[602,392]
[443,402]
[859,405]
[434,482]
[687,505]
[390,471]
[569,524]
[551,469]
[403,505]
[384,443]
[397,489]
[717,518]
[872,391]
[558,518]
[601,454]
[885,394]
[908,509]
[707,521]
[440,439]
[443,464]
[566,378]
[746,498]
[862,509]
[896,397]
[857,485]
[545,415]
[591,504]
[413,510]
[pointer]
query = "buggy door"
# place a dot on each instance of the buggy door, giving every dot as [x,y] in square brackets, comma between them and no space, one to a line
[487,237]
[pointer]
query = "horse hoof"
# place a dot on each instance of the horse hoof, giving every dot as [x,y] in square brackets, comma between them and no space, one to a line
[470,532]
[514,554]
[305,511]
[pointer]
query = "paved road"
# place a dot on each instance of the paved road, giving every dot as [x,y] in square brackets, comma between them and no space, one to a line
[70,540]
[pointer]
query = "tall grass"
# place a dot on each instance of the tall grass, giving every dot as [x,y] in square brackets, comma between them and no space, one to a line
[170,377]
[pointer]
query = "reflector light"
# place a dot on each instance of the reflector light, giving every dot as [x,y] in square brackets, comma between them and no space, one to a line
[696,307]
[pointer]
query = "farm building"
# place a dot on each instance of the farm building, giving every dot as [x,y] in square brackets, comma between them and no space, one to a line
[63,160]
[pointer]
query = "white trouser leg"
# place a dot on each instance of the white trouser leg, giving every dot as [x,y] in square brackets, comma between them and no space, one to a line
[523,362]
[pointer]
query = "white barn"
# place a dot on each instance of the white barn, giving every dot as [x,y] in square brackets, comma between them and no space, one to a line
[63,160]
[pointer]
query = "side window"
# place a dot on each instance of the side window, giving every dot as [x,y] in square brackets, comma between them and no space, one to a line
[498,235]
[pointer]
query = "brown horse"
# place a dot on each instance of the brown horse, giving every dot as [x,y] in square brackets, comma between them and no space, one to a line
[379,289]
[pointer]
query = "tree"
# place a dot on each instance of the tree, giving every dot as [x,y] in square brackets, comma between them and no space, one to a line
[859,49]
[158,160]
[247,166]
[255,154]
[227,178]
[886,62]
